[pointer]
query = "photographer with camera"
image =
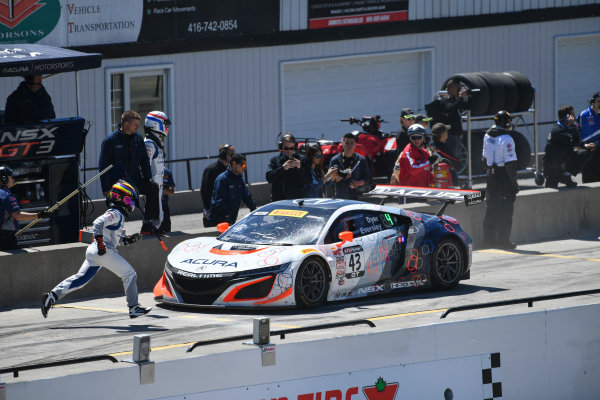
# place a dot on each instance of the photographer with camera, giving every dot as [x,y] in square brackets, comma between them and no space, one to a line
[458,99]
[288,173]
[350,172]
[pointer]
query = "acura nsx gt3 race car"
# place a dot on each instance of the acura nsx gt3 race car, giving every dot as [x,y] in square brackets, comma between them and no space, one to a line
[308,251]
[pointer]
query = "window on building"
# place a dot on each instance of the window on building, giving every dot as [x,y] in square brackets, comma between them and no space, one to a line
[139,89]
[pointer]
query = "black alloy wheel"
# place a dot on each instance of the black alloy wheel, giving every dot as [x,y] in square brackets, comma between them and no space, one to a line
[312,283]
[449,262]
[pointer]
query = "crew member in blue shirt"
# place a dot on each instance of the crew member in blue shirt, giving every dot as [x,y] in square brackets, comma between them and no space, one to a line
[10,212]
[589,119]
[229,192]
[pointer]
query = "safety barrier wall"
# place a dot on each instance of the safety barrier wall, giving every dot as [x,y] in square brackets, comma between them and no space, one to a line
[540,214]
[551,354]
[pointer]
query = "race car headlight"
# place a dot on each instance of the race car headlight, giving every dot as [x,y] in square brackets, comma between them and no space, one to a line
[275,269]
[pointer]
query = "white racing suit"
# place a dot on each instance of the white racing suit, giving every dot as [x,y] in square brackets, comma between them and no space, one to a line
[111,226]
[157,168]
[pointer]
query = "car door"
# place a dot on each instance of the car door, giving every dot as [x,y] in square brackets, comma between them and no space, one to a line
[356,263]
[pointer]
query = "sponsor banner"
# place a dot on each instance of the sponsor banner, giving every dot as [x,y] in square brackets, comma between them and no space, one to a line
[70,23]
[288,213]
[192,19]
[91,22]
[27,21]
[57,138]
[332,14]
[470,377]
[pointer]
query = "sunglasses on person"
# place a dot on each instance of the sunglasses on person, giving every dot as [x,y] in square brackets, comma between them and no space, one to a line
[318,156]
[416,137]
[126,199]
[289,148]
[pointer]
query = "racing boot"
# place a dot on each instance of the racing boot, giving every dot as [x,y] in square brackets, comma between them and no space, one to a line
[48,301]
[138,311]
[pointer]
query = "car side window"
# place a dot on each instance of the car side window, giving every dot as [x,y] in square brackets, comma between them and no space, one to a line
[361,223]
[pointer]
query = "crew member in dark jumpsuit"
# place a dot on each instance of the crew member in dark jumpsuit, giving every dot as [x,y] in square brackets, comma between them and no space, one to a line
[502,186]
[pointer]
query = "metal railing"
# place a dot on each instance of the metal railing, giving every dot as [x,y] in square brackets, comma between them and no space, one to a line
[528,300]
[189,160]
[15,370]
[282,333]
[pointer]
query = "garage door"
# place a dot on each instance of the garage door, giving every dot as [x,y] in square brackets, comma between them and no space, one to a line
[577,70]
[317,94]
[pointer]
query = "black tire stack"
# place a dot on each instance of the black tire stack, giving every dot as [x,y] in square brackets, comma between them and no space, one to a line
[511,91]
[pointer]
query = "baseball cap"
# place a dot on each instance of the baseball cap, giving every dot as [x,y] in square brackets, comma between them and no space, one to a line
[439,128]
[420,117]
[406,112]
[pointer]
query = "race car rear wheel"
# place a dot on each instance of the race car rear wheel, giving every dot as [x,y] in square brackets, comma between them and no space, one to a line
[312,283]
[448,264]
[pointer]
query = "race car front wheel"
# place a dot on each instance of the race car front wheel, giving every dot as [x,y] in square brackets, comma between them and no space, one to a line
[312,283]
[449,262]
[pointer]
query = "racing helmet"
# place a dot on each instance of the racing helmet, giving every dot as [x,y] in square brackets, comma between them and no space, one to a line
[416,129]
[502,119]
[157,122]
[5,172]
[123,196]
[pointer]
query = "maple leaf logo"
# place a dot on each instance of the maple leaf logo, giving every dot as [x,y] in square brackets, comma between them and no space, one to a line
[381,390]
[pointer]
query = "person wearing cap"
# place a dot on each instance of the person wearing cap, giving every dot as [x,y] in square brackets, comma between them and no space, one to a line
[10,213]
[589,120]
[439,133]
[451,107]
[407,118]
[29,103]
[413,167]
[423,120]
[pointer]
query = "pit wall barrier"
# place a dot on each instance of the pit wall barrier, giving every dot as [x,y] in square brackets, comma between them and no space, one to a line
[550,354]
[540,214]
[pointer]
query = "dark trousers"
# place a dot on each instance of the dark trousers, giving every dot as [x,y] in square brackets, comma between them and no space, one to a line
[8,241]
[574,164]
[165,225]
[152,206]
[500,197]
[591,170]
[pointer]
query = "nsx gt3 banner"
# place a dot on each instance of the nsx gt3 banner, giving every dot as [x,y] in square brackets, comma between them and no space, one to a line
[332,14]
[58,137]
[470,197]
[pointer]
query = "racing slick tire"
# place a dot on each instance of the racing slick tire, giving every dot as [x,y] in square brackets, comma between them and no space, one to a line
[447,264]
[312,283]
[480,100]
[526,91]
[497,92]
[522,148]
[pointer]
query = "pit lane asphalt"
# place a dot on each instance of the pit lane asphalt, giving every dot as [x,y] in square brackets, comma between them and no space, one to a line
[99,326]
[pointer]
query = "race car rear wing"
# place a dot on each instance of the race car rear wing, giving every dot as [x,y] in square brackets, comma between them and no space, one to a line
[449,196]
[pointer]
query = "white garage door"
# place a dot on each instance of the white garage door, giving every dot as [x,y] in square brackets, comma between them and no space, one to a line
[577,70]
[317,94]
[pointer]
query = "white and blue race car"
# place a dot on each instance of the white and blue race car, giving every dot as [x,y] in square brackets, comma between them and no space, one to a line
[308,251]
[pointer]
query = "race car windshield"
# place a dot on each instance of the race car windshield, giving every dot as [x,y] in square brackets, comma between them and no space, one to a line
[282,227]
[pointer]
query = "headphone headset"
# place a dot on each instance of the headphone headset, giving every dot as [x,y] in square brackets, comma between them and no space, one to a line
[223,154]
[5,172]
[287,137]
[594,97]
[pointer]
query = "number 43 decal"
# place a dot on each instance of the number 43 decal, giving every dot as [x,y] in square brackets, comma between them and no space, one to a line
[355,265]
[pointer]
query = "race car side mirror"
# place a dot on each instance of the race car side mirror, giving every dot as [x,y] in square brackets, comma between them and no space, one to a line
[346,236]
[222,227]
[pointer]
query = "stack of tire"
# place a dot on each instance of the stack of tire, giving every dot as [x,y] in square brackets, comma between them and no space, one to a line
[511,91]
